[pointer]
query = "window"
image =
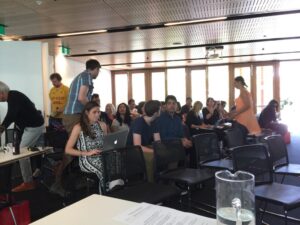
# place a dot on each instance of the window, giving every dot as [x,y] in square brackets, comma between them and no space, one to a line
[198,85]
[289,95]
[158,86]
[218,83]
[176,84]
[102,86]
[121,87]
[245,72]
[138,87]
[264,86]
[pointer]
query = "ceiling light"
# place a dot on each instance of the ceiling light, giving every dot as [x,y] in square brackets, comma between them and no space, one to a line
[177,43]
[81,33]
[92,50]
[196,21]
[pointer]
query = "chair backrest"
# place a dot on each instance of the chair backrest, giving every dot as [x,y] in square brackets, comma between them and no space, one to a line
[207,147]
[135,164]
[55,138]
[168,155]
[234,137]
[114,164]
[254,159]
[277,149]
[124,163]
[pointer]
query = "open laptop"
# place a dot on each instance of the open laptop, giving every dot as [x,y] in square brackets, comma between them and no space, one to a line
[115,140]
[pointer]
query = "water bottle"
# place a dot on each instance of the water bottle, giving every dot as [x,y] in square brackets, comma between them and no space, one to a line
[235,198]
[16,143]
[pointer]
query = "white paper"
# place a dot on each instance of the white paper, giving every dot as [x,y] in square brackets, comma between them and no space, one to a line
[147,214]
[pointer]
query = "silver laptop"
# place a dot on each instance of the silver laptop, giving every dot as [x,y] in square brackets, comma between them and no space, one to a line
[115,140]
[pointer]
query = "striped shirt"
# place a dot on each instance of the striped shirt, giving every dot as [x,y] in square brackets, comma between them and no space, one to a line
[73,105]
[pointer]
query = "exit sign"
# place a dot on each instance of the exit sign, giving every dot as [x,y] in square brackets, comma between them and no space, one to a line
[65,50]
[2,29]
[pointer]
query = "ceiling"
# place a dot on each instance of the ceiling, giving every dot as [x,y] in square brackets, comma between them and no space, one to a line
[255,30]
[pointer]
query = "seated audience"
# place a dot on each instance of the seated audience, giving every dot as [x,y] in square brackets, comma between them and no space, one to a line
[222,112]
[163,106]
[210,112]
[110,112]
[87,135]
[178,109]
[142,131]
[169,124]
[268,119]
[140,108]
[123,118]
[193,120]
[133,110]
[187,107]
[103,116]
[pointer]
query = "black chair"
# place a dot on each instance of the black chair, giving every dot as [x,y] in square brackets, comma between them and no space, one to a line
[234,137]
[279,157]
[5,185]
[128,164]
[170,166]
[208,152]
[256,160]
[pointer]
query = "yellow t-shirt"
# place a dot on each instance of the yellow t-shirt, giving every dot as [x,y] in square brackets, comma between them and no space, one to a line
[58,98]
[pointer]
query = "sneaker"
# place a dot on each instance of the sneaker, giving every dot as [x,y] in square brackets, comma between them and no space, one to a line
[37,173]
[115,184]
[26,186]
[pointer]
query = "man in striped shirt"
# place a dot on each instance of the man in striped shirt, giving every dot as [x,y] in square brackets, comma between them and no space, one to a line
[80,93]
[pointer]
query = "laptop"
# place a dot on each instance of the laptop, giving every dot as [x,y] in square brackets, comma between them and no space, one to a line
[115,140]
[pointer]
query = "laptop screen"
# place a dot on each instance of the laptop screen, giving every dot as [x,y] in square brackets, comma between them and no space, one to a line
[115,140]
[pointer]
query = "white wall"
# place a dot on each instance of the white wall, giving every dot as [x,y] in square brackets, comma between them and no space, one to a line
[21,69]
[69,69]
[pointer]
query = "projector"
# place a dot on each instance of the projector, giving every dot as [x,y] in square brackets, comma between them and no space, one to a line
[214,53]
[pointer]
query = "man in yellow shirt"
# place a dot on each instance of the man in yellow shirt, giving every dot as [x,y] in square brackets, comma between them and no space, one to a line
[58,97]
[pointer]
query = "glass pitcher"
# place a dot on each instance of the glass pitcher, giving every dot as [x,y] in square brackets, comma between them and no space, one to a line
[235,198]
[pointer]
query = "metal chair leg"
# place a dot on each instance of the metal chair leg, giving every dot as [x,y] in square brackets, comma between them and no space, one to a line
[285,217]
[263,213]
[283,178]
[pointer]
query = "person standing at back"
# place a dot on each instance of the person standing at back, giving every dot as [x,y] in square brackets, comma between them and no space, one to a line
[58,96]
[244,111]
[29,120]
[80,94]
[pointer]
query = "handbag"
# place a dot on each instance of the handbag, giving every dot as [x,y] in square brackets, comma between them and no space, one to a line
[16,214]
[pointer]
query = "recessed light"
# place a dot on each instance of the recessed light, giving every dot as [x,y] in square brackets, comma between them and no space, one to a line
[92,50]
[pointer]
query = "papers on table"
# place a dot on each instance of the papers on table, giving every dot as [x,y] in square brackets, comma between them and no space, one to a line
[147,214]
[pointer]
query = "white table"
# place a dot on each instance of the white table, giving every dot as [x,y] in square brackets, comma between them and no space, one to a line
[8,157]
[93,210]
